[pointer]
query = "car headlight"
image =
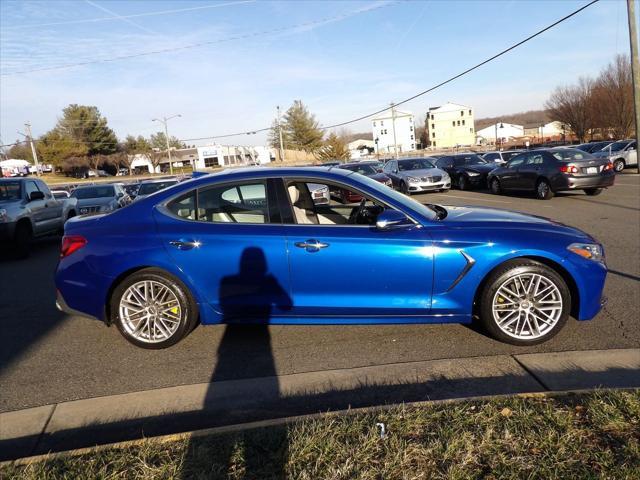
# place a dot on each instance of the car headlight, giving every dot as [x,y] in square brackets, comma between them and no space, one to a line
[413,179]
[3,215]
[473,174]
[591,251]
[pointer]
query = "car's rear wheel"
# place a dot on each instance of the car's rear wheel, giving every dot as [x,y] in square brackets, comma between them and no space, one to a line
[524,303]
[153,309]
[618,165]
[593,191]
[494,185]
[543,190]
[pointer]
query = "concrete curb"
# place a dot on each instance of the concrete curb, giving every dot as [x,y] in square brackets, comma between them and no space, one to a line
[106,420]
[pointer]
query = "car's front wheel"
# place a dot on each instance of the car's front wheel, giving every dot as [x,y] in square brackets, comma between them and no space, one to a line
[153,309]
[618,165]
[524,302]
[463,183]
[494,185]
[404,188]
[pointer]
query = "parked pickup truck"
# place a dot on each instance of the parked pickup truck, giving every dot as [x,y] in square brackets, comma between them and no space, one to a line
[28,210]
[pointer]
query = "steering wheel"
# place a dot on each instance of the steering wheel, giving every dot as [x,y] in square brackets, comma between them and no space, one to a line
[356,213]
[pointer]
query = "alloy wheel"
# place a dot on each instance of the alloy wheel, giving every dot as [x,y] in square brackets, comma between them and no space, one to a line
[150,311]
[527,306]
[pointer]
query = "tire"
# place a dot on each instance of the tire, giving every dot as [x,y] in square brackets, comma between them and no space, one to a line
[592,192]
[618,165]
[444,190]
[503,324]
[463,183]
[180,316]
[22,238]
[495,187]
[404,188]
[543,190]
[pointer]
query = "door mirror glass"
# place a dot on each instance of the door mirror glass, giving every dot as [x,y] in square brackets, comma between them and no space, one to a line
[390,219]
[36,196]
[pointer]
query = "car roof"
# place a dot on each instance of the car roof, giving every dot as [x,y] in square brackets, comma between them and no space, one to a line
[95,185]
[158,180]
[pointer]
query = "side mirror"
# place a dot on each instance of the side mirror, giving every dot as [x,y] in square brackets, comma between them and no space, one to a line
[390,219]
[36,196]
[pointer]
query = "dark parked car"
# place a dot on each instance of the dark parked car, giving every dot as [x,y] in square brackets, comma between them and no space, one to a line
[467,170]
[152,186]
[366,169]
[553,170]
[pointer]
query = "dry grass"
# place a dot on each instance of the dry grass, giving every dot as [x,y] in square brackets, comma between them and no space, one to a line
[593,435]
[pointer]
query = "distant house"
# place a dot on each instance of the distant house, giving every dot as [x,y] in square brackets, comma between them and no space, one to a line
[386,138]
[361,148]
[549,131]
[450,125]
[232,155]
[505,131]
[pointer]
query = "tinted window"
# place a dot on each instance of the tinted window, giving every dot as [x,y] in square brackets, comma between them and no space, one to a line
[506,156]
[242,203]
[444,162]
[461,160]
[10,191]
[94,192]
[571,154]
[184,206]
[491,157]
[30,187]
[362,169]
[616,146]
[60,195]
[534,159]
[414,164]
[149,188]
[516,161]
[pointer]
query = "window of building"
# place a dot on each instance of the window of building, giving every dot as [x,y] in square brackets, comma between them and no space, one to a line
[412,137]
[413,146]
[432,117]
[411,128]
[374,124]
[471,130]
[462,113]
[433,135]
[458,122]
[434,144]
[211,162]
[453,124]
[433,126]
[469,112]
[382,124]
[462,122]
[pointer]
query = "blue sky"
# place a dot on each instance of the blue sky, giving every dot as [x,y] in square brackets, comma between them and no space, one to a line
[351,58]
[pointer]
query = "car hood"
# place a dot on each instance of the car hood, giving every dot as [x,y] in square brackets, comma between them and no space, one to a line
[480,168]
[423,172]
[495,218]
[95,201]
[379,177]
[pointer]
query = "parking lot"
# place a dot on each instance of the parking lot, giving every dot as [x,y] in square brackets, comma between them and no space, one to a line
[47,356]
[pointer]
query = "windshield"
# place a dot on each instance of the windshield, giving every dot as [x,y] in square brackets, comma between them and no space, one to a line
[361,169]
[10,191]
[615,146]
[59,195]
[414,164]
[571,154]
[93,192]
[429,212]
[468,160]
[149,188]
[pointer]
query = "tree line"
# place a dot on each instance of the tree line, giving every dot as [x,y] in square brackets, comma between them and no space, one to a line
[82,139]
[597,107]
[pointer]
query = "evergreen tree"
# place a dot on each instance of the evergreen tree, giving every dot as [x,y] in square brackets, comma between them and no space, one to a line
[158,140]
[334,148]
[300,129]
[85,125]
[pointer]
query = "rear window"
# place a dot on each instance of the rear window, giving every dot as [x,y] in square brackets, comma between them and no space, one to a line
[10,191]
[94,192]
[149,188]
[571,155]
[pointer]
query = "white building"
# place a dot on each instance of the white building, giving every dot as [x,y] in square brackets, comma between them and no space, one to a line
[383,131]
[505,131]
[450,125]
[361,148]
[232,155]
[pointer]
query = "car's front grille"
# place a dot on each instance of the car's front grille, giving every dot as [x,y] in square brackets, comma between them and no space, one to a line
[90,209]
[435,178]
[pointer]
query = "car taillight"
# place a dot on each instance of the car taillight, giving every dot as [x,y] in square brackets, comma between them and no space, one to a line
[569,169]
[71,243]
[608,166]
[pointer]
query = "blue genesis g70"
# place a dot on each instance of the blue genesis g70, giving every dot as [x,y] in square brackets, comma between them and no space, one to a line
[265,245]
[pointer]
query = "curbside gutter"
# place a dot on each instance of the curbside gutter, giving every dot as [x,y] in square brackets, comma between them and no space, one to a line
[218,407]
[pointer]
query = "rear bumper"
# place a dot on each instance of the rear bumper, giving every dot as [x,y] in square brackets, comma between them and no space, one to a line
[579,183]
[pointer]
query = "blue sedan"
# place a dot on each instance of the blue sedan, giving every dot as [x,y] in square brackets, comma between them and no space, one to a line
[252,245]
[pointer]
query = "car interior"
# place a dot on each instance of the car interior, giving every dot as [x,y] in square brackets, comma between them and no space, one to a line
[307,212]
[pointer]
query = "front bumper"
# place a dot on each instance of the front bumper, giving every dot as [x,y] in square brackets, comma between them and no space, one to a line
[7,231]
[429,187]
[579,183]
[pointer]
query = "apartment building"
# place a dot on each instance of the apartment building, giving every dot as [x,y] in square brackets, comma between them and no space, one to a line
[450,125]
[382,127]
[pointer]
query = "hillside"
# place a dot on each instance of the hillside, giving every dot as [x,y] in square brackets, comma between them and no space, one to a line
[521,118]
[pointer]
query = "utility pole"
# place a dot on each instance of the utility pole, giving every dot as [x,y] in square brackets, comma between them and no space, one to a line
[393,124]
[164,121]
[33,147]
[280,134]
[635,67]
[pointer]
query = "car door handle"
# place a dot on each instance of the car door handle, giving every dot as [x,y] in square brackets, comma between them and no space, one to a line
[311,245]
[184,244]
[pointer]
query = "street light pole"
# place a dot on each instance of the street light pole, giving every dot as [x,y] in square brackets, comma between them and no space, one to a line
[164,121]
[280,135]
[635,66]
[393,124]
[33,147]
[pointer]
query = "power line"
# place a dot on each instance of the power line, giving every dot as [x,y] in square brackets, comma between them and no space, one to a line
[261,33]
[120,17]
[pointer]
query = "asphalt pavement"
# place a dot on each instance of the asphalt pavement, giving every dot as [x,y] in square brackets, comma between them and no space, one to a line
[48,357]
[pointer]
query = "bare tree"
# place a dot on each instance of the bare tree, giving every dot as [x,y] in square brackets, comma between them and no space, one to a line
[155,157]
[613,98]
[573,105]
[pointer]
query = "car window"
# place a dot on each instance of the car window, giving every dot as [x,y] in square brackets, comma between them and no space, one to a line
[444,162]
[534,159]
[29,188]
[94,192]
[515,162]
[184,206]
[615,146]
[414,164]
[571,154]
[362,169]
[44,189]
[506,156]
[149,188]
[462,160]
[10,191]
[60,195]
[491,157]
[240,203]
